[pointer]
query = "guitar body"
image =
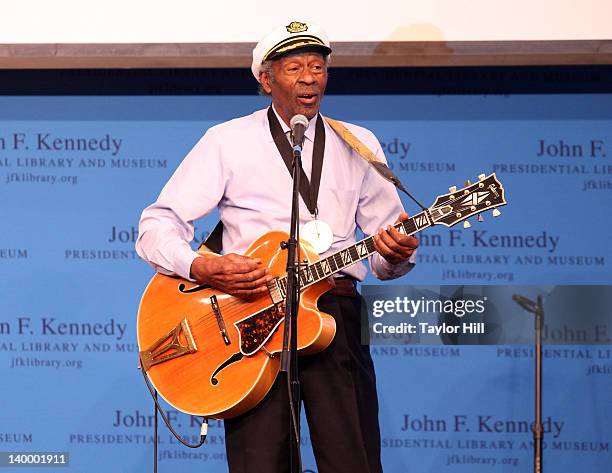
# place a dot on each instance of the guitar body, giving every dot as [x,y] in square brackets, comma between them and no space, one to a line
[201,370]
[211,354]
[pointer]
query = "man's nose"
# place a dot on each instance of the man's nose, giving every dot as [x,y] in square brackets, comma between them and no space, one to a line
[307,77]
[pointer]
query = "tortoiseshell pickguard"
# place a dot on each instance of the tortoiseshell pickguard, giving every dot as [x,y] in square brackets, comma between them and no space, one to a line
[255,330]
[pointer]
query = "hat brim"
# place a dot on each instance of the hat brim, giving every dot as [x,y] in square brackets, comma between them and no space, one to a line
[297,44]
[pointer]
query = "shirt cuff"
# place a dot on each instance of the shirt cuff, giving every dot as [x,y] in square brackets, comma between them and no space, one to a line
[387,270]
[183,258]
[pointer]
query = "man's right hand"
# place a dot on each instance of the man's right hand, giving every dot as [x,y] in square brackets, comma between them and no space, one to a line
[233,274]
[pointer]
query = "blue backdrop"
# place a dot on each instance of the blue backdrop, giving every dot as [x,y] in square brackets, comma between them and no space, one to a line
[75,173]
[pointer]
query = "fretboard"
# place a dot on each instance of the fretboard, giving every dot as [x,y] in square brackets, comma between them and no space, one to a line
[336,262]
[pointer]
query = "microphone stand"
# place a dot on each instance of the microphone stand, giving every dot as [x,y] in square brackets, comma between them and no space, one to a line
[289,359]
[538,430]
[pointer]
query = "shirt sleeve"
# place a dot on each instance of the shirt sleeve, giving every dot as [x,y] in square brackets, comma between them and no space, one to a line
[194,190]
[379,206]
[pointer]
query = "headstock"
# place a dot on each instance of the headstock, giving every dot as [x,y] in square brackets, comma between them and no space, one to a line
[460,204]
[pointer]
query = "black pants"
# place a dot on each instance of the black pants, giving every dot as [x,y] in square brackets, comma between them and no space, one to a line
[339,395]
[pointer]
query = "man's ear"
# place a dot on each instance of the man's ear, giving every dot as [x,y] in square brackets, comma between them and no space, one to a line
[265,82]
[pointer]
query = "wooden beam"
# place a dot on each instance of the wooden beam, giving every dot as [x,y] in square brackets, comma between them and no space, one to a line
[362,54]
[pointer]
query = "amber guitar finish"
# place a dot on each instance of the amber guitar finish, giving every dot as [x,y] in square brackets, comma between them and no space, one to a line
[212,364]
[212,354]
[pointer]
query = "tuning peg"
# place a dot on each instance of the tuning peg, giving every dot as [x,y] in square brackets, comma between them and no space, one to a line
[452,189]
[480,218]
[466,224]
[496,213]
[482,177]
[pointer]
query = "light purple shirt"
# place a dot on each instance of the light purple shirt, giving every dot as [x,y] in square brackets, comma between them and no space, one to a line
[236,167]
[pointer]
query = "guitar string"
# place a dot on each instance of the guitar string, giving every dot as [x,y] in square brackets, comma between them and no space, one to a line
[209,319]
[228,308]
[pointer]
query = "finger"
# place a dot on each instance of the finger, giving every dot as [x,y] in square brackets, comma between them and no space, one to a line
[391,243]
[407,241]
[229,278]
[251,276]
[382,248]
[403,216]
[244,265]
[253,284]
[229,264]
[248,293]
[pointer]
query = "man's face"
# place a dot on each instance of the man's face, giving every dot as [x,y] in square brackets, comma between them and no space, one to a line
[298,85]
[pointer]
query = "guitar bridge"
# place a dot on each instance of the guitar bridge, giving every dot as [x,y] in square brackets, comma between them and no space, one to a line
[169,346]
[217,311]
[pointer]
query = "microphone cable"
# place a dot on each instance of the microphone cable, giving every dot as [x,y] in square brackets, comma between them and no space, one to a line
[158,410]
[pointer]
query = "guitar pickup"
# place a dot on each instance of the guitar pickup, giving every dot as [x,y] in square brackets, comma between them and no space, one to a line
[277,294]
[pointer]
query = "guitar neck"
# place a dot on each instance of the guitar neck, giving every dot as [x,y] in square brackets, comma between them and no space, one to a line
[350,255]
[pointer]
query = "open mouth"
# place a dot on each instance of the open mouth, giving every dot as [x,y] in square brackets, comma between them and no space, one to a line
[307,99]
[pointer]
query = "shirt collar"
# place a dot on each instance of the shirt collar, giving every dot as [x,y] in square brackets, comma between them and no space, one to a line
[310,131]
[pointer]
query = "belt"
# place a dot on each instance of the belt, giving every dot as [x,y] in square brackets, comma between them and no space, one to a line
[344,286]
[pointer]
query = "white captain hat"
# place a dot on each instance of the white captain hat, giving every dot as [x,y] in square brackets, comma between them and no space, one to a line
[287,39]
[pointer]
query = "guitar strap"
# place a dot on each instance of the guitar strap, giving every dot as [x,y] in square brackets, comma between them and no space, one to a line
[351,140]
[308,192]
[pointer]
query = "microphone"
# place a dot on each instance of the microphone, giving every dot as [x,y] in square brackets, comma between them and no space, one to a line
[298,125]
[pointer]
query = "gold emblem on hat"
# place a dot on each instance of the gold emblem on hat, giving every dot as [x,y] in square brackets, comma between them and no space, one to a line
[296,27]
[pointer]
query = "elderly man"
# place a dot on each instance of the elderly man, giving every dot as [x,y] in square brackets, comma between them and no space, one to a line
[238,166]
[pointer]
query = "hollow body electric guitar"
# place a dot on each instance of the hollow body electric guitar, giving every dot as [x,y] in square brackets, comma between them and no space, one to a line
[215,355]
